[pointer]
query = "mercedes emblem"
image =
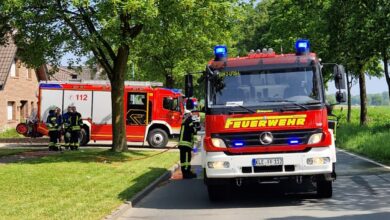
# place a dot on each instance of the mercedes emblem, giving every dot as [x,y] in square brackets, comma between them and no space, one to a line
[266,138]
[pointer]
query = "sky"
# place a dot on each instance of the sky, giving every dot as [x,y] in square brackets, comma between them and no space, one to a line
[373,84]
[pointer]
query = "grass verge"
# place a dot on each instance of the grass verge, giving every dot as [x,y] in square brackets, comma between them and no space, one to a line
[10,133]
[88,184]
[371,140]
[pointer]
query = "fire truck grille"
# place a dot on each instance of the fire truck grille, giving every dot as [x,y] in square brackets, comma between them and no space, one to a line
[235,140]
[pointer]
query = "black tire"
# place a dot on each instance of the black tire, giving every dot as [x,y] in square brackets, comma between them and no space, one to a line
[324,189]
[217,192]
[157,138]
[84,137]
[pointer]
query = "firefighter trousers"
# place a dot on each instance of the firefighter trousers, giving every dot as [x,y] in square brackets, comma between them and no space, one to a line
[53,139]
[67,137]
[185,159]
[74,139]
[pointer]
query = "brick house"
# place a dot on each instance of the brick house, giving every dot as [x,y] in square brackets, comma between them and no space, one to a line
[18,87]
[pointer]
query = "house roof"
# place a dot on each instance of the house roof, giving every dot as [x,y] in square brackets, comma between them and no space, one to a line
[64,74]
[61,74]
[7,56]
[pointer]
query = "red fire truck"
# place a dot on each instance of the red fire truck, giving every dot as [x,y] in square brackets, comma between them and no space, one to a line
[267,120]
[152,114]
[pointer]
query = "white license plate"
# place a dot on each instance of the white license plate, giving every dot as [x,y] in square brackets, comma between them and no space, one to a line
[267,162]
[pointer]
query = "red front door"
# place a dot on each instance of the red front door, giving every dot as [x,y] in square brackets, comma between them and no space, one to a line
[136,115]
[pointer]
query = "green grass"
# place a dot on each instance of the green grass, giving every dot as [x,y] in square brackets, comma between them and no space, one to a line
[372,140]
[88,184]
[10,133]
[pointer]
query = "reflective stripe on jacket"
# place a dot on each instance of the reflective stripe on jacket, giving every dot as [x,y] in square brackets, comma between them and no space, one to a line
[51,123]
[187,133]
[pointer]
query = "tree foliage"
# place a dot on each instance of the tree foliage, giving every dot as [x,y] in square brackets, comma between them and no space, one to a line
[181,38]
[46,30]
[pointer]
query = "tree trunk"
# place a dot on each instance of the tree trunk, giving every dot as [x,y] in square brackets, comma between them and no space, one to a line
[349,85]
[169,81]
[386,65]
[119,142]
[363,96]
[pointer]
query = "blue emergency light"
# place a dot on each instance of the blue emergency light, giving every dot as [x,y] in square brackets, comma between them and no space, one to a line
[50,86]
[238,144]
[293,141]
[220,52]
[302,46]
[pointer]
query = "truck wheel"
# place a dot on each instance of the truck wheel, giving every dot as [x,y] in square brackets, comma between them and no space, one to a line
[324,189]
[84,137]
[217,192]
[157,138]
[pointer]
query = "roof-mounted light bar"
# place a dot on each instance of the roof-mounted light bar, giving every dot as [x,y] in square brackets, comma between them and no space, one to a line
[220,52]
[302,46]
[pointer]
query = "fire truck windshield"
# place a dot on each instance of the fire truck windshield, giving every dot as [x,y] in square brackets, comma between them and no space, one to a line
[260,88]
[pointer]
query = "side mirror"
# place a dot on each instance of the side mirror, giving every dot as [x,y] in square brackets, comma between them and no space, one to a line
[339,76]
[189,86]
[190,104]
[341,97]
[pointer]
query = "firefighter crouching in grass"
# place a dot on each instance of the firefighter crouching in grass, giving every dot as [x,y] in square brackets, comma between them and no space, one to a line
[75,122]
[53,127]
[67,128]
[186,144]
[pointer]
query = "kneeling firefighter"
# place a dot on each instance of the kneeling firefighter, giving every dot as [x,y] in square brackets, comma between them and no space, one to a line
[186,144]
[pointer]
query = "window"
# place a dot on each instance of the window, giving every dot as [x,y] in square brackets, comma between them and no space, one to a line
[136,109]
[29,73]
[12,71]
[171,104]
[11,111]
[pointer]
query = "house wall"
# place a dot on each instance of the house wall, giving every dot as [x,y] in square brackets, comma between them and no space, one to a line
[21,90]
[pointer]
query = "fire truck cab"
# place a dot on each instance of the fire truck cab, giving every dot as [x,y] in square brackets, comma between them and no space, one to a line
[152,114]
[267,120]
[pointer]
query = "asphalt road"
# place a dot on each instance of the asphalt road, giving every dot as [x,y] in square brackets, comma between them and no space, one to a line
[361,191]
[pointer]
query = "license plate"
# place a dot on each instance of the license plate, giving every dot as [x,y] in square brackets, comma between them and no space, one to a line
[265,162]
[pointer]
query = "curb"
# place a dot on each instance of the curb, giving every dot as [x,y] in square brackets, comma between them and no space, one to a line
[142,194]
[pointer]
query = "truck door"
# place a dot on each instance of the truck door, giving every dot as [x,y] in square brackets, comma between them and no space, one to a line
[173,117]
[137,113]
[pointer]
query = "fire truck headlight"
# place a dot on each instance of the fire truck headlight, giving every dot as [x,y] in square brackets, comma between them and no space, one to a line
[218,164]
[217,142]
[318,161]
[315,138]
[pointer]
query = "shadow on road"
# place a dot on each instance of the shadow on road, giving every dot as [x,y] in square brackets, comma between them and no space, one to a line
[373,216]
[349,194]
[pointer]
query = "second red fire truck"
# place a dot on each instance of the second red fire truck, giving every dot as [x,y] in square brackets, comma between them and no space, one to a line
[152,114]
[267,120]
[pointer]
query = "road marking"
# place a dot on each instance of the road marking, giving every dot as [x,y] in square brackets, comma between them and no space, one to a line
[365,158]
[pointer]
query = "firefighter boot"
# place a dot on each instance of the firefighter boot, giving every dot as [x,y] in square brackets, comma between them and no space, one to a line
[187,174]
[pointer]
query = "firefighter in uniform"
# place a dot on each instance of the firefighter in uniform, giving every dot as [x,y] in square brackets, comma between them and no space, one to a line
[52,126]
[67,128]
[75,122]
[186,144]
[59,123]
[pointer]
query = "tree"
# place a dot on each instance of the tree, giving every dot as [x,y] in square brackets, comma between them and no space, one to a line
[352,36]
[381,42]
[180,39]
[45,30]
[376,99]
